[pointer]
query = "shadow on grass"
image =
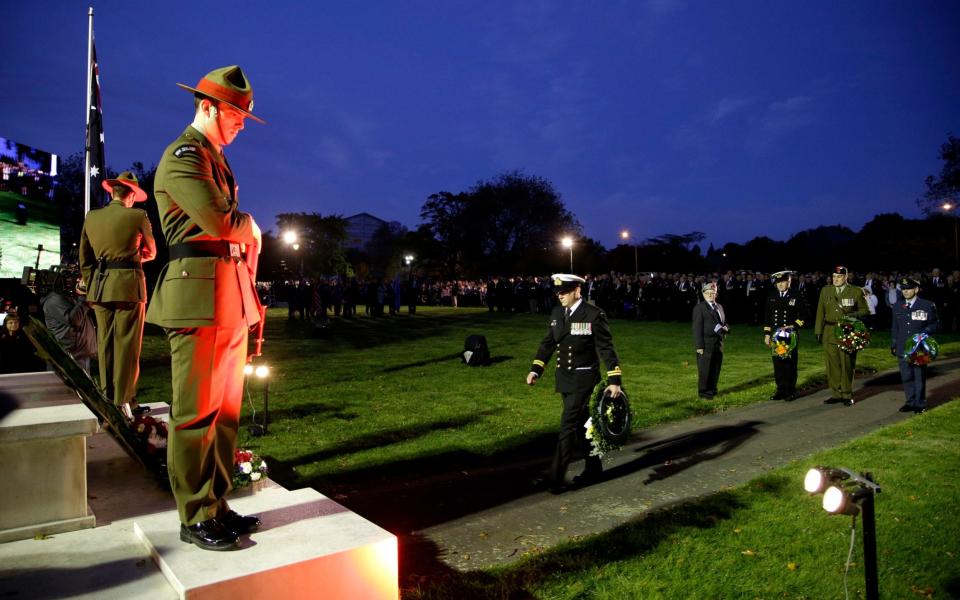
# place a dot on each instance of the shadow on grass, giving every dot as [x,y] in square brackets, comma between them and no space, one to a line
[414,494]
[424,577]
[370,332]
[423,363]
[748,385]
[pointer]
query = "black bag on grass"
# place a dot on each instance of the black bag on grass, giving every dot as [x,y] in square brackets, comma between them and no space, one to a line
[475,351]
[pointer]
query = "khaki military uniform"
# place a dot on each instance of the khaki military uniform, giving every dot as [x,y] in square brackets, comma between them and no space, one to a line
[205,299]
[833,306]
[113,240]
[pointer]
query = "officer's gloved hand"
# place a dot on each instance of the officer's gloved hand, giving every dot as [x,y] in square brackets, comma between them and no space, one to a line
[819,339]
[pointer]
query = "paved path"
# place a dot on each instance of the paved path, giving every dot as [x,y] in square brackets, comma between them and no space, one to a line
[678,462]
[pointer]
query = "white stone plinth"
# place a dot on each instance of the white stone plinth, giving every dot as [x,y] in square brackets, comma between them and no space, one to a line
[308,547]
[44,458]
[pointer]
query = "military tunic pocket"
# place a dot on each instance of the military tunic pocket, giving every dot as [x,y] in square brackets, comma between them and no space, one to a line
[188,287]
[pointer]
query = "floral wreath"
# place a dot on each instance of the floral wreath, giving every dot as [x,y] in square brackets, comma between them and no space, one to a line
[852,335]
[784,342]
[152,433]
[924,350]
[610,420]
[247,468]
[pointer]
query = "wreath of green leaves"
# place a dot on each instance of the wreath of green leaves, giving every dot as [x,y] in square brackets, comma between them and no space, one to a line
[610,420]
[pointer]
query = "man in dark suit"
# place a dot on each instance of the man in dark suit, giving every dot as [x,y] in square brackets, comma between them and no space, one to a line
[911,316]
[580,335]
[709,329]
[786,310]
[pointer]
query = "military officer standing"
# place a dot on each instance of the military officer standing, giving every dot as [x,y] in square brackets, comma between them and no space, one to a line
[205,300]
[115,241]
[836,302]
[785,312]
[912,315]
[580,335]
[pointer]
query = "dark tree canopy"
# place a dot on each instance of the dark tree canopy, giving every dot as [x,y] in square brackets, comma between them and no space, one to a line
[320,241]
[946,186]
[512,220]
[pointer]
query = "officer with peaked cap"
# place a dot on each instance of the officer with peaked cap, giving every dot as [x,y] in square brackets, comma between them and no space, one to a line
[580,335]
[836,302]
[115,241]
[205,300]
[912,315]
[784,314]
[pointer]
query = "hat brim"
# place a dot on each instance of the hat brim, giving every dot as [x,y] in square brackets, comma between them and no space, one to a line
[206,95]
[138,194]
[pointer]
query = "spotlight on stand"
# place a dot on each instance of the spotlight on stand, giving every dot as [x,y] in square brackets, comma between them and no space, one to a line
[261,372]
[846,492]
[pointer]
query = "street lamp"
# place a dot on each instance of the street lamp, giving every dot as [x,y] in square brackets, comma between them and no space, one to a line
[290,238]
[408,260]
[951,207]
[567,242]
[625,235]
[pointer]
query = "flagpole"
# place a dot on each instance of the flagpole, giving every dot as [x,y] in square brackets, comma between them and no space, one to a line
[86,165]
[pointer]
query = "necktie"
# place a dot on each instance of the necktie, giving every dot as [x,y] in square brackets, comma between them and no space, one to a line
[783,294]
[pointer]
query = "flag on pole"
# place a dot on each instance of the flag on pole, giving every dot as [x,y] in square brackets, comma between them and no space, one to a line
[96,163]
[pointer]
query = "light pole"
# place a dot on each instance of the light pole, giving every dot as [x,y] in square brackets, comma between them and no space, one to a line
[408,260]
[950,207]
[568,243]
[625,235]
[290,238]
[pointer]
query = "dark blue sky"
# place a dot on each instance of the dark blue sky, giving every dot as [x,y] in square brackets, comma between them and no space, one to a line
[735,118]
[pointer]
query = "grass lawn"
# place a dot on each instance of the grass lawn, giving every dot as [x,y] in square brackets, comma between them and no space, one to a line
[366,407]
[767,539]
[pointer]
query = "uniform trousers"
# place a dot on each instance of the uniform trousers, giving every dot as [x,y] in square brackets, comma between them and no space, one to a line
[119,337]
[207,369]
[708,369]
[840,366]
[914,380]
[785,372]
[573,443]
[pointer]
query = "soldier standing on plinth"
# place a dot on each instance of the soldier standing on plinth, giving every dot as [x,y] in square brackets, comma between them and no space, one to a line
[580,335]
[784,314]
[836,302]
[115,241]
[205,300]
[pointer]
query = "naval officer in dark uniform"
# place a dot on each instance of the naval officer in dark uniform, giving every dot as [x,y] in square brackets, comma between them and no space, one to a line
[785,313]
[205,300]
[115,241]
[580,335]
[912,315]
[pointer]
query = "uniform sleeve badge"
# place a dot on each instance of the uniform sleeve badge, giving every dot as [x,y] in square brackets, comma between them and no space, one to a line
[187,149]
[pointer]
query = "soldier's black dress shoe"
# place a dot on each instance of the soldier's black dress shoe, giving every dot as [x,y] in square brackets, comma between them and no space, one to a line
[587,478]
[790,397]
[239,524]
[848,402]
[905,408]
[776,396]
[833,401]
[919,410]
[209,535]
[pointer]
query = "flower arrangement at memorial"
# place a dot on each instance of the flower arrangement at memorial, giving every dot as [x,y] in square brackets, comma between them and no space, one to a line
[924,350]
[248,468]
[852,335]
[783,343]
[610,419]
[152,433]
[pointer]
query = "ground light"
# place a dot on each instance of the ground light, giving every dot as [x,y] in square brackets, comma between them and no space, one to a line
[261,372]
[848,493]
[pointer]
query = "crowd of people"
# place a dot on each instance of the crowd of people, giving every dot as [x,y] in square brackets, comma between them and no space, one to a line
[645,296]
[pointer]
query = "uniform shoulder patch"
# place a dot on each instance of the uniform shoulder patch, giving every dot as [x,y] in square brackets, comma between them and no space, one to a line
[186,149]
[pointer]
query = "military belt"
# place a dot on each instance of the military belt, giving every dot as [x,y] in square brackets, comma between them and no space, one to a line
[206,249]
[829,322]
[103,264]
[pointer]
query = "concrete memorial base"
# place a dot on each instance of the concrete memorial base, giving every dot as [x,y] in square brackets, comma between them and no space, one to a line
[308,547]
[44,458]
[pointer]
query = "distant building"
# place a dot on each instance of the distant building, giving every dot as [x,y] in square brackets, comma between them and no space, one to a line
[360,230]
